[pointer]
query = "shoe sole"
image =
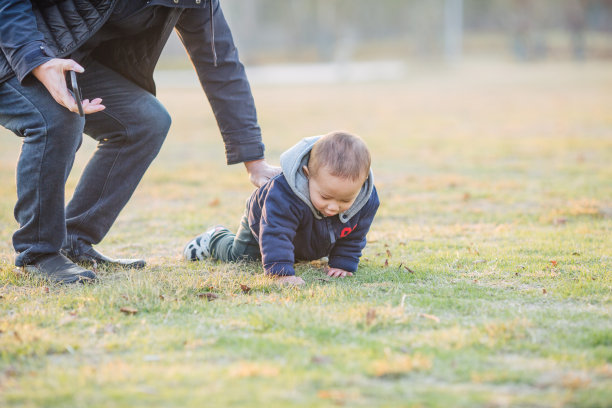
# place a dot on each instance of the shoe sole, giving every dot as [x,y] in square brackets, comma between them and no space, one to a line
[94,263]
[33,270]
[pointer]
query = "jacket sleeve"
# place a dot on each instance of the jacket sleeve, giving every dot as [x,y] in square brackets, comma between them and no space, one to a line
[226,85]
[346,252]
[20,41]
[279,222]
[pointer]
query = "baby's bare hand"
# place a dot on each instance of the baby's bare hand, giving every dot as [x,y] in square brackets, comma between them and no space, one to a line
[338,273]
[290,280]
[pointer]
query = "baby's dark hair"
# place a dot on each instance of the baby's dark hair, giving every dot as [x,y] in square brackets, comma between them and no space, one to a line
[342,154]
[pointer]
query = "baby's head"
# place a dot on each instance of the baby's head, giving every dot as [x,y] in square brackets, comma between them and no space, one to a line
[338,166]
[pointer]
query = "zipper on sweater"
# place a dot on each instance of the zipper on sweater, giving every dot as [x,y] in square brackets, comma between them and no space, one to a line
[330,229]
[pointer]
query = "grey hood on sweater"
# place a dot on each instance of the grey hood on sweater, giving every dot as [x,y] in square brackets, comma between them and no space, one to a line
[292,162]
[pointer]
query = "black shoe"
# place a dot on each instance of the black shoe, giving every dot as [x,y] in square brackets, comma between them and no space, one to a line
[58,268]
[84,253]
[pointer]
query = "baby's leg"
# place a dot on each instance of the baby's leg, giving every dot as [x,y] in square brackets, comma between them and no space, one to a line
[241,246]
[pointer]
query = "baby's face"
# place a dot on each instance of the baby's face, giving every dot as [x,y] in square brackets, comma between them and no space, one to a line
[331,195]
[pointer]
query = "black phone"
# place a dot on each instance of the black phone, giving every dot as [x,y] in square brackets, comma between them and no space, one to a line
[76,92]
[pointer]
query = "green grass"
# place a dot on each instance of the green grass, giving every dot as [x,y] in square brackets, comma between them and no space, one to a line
[487,280]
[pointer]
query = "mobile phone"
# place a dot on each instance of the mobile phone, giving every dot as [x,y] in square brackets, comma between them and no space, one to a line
[76,92]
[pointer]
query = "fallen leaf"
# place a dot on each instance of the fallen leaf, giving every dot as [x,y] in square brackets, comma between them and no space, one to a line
[430,317]
[473,250]
[129,310]
[400,365]
[320,359]
[246,369]
[245,288]
[336,395]
[370,316]
[208,295]
[11,372]
[317,263]
[574,381]
[408,269]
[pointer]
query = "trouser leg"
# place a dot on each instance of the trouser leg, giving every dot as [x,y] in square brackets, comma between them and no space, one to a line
[51,136]
[241,246]
[130,133]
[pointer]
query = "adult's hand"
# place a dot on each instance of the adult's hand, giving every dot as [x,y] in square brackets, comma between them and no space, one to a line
[260,171]
[52,74]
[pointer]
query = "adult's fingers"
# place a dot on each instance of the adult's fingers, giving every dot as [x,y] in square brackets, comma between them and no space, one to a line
[72,65]
[92,106]
[63,97]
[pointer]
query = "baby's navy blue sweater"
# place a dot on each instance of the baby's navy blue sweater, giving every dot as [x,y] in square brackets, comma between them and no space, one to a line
[287,230]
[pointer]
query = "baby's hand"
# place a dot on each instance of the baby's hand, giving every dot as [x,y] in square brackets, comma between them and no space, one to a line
[290,280]
[338,273]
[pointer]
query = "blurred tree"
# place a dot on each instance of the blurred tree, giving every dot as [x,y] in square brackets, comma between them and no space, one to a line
[344,30]
[453,29]
[576,24]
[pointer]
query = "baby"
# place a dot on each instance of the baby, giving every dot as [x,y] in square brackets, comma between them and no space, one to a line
[321,205]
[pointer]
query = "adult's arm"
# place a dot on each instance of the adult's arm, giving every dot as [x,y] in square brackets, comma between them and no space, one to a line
[24,47]
[226,85]
[20,40]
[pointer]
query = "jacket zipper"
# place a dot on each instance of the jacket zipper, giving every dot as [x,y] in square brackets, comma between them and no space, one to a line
[332,237]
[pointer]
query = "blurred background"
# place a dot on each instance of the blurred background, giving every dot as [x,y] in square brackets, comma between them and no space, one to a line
[352,33]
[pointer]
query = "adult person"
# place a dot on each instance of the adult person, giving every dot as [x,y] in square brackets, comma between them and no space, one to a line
[114,45]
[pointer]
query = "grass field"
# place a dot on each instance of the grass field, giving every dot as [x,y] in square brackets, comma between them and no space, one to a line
[487,280]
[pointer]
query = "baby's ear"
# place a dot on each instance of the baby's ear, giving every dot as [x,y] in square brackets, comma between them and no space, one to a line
[305,170]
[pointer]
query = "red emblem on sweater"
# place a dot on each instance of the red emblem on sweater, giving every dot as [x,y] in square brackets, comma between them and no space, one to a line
[347,231]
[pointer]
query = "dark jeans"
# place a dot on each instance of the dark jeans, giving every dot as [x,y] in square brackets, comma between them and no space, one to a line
[130,132]
[241,246]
